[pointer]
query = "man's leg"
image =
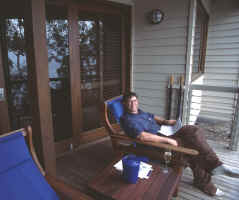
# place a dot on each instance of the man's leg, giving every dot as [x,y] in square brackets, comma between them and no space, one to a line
[202,164]
[193,137]
[202,179]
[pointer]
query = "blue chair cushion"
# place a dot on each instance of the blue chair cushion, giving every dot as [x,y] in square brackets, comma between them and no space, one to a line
[20,178]
[116,108]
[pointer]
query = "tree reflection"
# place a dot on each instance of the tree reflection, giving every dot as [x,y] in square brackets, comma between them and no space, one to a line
[58,51]
[58,65]
[88,51]
[16,48]
[17,72]
[90,79]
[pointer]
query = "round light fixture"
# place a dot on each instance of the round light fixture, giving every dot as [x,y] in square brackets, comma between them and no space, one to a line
[156,16]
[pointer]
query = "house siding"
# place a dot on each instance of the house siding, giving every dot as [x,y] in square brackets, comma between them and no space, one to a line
[222,60]
[128,2]
[207,5]
[158,51]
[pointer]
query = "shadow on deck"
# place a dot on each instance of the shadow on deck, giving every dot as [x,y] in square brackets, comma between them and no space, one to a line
[79,167]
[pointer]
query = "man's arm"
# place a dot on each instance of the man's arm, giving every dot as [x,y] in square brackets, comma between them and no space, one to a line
[163,121]
[148,137]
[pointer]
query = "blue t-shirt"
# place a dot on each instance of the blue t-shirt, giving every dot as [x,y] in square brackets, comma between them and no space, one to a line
[135,124]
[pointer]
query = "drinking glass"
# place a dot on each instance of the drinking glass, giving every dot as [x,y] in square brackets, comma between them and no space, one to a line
[167,158]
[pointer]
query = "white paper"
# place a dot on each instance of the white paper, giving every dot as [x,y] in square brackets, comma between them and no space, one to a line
[169,130]
[145,169]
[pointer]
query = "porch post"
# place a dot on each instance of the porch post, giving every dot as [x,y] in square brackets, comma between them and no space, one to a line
[189,58]
[4,115]
[39,84]
[235,129]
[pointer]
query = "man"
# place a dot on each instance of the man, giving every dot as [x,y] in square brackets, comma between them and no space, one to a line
[145,126]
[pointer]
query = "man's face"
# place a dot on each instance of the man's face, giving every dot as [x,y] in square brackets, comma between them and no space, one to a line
[132,105]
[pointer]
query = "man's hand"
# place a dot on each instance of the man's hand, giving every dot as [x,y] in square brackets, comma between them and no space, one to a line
[162,121]
[172,142]
[171,122]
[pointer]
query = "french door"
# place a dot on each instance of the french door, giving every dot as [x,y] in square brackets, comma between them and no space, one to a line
[101,66]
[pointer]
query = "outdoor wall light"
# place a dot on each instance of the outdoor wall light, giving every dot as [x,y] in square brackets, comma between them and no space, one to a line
[156,16]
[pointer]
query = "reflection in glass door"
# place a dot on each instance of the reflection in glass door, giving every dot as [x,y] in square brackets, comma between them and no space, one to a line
[90,79]
[16,72]
[58,63]
[100,63]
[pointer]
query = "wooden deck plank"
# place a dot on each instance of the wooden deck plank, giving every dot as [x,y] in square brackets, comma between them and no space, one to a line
[78,167]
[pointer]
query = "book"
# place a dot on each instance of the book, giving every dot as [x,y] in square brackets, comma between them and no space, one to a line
[169,130]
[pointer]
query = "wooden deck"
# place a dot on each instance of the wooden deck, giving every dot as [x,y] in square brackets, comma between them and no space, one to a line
[80,166]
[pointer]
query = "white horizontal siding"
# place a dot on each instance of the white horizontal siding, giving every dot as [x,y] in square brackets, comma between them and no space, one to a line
[222,70]
[222,60]
[224,83]
[159,93]
[218,101]
[167,33]
[207,5]
[159,68]
[223,52]
[223,40]
[129,2]
[223,33]
[222,27]
[159,51]
[165,59]
[219,46]
[166,42]
[152,100]
[221,77]
[167,24]
[151,84]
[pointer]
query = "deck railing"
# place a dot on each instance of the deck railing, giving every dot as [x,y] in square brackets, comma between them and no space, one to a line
[223,105]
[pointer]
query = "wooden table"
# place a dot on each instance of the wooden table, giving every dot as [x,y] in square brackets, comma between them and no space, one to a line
[110,184]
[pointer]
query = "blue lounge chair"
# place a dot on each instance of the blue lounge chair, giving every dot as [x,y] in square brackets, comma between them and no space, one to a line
[21,175]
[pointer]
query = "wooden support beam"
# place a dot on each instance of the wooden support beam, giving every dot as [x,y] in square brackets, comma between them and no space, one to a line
[75,70]
[37,57]
[4,115]
[189,57]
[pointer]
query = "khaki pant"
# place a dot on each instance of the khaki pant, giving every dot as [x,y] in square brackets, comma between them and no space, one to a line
[202,164]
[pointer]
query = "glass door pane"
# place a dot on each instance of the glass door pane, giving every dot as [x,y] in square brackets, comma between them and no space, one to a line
[58,63]
[100,55]
[90,73]
[16,72]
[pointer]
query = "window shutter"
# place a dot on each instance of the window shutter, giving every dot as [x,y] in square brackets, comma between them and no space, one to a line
[111,56]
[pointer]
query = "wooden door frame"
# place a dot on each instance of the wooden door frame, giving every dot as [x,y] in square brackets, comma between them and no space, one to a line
[37,59]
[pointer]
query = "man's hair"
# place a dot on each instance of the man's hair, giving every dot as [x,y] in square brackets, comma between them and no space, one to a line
[128,95]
